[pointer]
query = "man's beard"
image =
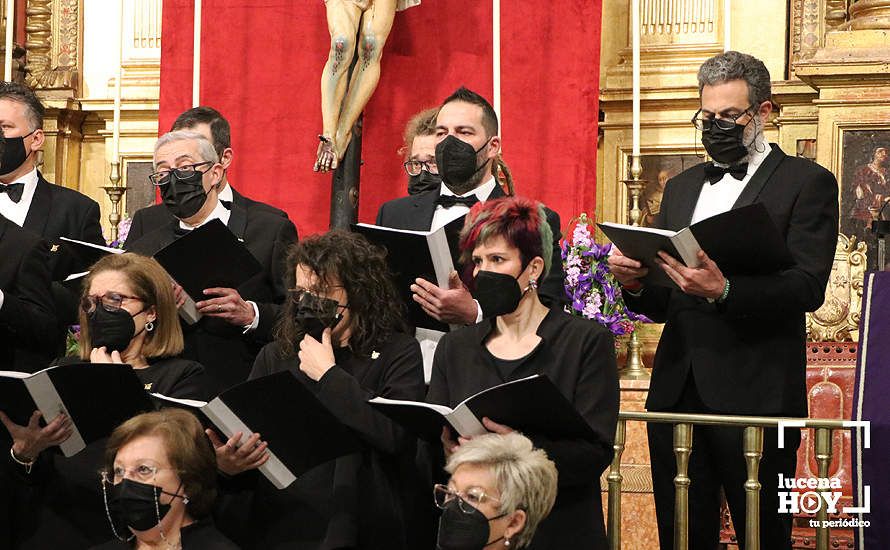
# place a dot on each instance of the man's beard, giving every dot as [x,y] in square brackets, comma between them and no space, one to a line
[753,139]
[463,188]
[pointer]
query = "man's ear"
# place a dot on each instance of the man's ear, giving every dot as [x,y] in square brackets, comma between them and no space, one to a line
[226,158]
[37,139]
[494,147]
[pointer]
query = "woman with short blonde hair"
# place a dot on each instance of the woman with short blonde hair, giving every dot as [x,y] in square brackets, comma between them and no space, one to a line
[507,480]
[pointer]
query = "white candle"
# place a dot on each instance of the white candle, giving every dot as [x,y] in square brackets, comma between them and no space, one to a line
[635,24]
[116,136]
[727,25]
[196,61]
[10,31]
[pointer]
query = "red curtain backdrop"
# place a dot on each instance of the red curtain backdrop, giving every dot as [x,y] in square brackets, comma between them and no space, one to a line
[261,63]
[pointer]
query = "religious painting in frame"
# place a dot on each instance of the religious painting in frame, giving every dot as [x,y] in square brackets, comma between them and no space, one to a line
[865,180]
[657,170]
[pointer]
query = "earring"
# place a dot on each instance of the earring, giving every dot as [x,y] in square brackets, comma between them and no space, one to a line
[149,326]
[507,542]
[532,282]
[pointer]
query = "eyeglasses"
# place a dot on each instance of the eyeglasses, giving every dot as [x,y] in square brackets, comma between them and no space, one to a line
[704,123]
[467,502]
[143,473]
[413,167]
[111,301]
[162,177]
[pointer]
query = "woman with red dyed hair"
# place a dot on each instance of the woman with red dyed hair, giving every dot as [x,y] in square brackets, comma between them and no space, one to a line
[509,244]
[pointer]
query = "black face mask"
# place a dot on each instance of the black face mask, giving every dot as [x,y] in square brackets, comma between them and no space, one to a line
[459,530]
[314,314]
[184,197]
[424,181]
[456,160]
[112,329]
[497,293]
[135,505]
[14,153]
[725,146]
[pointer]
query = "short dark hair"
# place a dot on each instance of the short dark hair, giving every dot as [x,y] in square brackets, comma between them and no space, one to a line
[26,96]
[375,308]
[187,447]
[489,117]
[220,130]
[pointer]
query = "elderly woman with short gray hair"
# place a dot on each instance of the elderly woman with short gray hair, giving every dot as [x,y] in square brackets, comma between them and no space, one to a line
[501,487]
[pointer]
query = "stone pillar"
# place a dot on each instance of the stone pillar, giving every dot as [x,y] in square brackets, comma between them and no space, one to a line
[869,15]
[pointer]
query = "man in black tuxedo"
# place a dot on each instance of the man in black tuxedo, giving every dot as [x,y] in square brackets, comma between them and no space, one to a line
[208,122]
[27,312]
[734,344]
[468,145]
[29,201]
[236,323]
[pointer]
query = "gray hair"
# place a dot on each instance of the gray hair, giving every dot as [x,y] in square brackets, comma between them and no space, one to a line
[733,65]
[526,478]
[205,148]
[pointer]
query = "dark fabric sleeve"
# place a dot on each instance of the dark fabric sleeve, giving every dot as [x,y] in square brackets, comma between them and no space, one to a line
[811,238]
[269,312]
[91,229]
[28,310]
[136,228]
[552,289]
[380,215]
[192,383]
[403,379]
[262,365]
[596,398]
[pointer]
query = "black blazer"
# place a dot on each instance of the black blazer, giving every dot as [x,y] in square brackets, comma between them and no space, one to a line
[578,356]
[27,316]
[201,535]
[147,219]
[223,349]
[57,211]
[415,212]
[355,501]
[747,355]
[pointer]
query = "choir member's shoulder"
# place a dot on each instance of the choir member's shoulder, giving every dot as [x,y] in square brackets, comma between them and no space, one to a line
[568,324]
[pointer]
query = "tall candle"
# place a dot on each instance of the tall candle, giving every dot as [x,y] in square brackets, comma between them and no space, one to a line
[196,60]
[635,24]
[10,31]
[119,84]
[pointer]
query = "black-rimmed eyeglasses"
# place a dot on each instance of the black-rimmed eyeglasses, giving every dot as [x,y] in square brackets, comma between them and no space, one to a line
[413,167]
[704,123]
[162,177]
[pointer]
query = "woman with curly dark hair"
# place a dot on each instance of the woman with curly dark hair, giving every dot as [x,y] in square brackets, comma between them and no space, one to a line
[343,335]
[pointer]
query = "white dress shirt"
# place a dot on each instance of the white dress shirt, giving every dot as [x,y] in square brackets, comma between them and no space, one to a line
[17,212]
[443,216]
[719,197]
[226,194]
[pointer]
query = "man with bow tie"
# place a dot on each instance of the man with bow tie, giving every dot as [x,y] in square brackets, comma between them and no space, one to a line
[236,323]
[467,147]
[47,210]
[734,344]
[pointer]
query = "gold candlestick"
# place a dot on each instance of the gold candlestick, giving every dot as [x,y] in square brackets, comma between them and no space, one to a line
[115,193]
[634,369]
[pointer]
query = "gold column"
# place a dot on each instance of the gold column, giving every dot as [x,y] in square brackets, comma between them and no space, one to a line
[869,14]
[682,448]
[753,441]
[823,461]
[615,478]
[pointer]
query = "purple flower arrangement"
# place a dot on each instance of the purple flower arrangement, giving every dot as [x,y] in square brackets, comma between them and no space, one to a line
[123,229]
[591,287]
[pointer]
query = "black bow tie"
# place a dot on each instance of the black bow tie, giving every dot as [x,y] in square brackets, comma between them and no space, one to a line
[13,191]
[227,204]
[447,201]
[180,231]
[714,173]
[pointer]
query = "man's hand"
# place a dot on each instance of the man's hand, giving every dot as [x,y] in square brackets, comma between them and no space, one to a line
[232,458]
[452,305]
[316,358]
[706,280]
[494,427]
[627,270]
[228,306]
[449,444]
[178,294]
[29,441]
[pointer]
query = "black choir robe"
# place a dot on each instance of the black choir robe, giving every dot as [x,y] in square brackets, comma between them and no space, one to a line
[59,504]
[355,501]
[578,356]
[27,316]
[225,350]
[201,535]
